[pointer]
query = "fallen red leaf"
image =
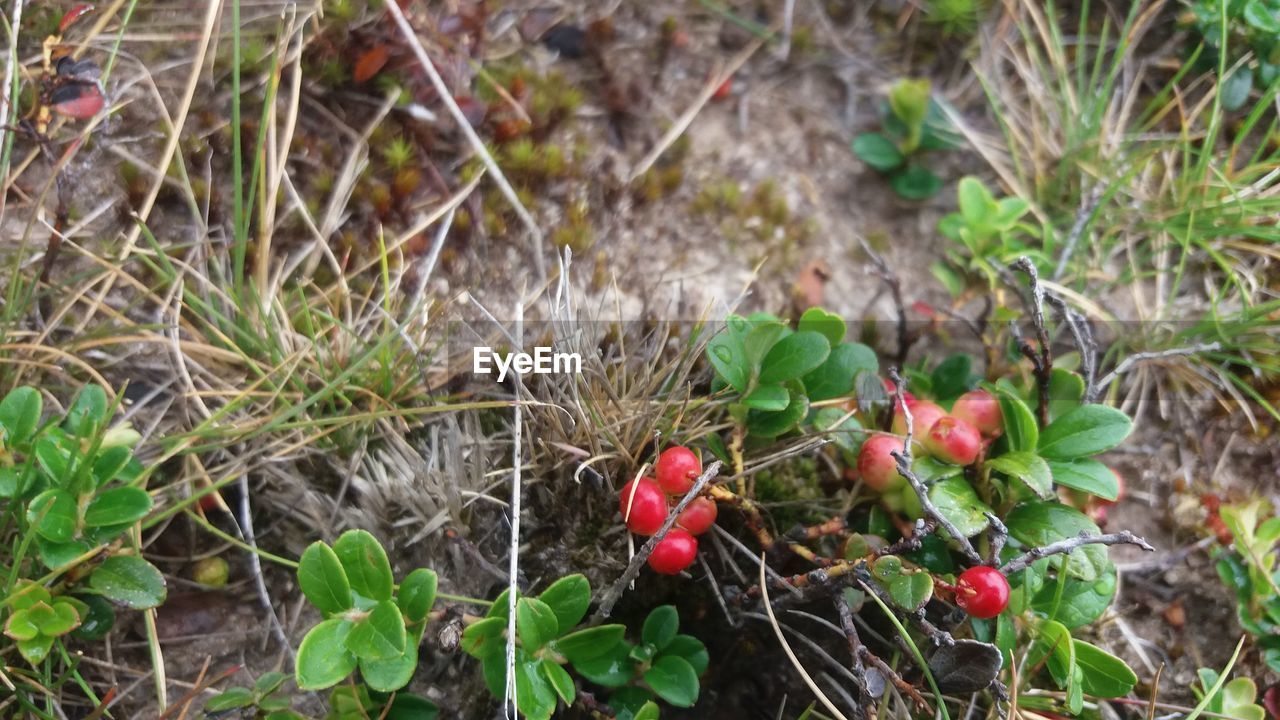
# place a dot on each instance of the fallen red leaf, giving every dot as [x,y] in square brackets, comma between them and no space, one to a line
[73,15]
[369,63]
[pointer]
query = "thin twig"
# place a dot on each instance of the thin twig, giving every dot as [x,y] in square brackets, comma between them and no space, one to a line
[904,468]
[1126,364]
[1024,560]
[614,593]
[1077,228]
[782,640]
[255,563]
[513,567]
[890,279]
[1042,361]
[1083,337]
[477,145]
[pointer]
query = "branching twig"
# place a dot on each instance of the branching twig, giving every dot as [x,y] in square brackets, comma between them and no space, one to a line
[1024,560]
[890,279]
[1041,361]
[1136,358]
[1083,337]
[903,459]
[997,534]
[611,597]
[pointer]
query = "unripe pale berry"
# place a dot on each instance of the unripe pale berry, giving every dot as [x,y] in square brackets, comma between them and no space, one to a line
[211,571]
[980,409]
[673,553]
[648,506]
[954,441]
[698,516]
[923,415]
[982,591]
[876,464]
[677,468]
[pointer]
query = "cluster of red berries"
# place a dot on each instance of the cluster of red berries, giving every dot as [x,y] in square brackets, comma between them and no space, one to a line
[958,437]
[646,502]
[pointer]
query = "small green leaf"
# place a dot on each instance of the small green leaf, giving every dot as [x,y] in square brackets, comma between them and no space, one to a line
[1028,468]
[1019,424]
[20,415]
[877,151]
[53,454]
[691,649]
[61,619]
[1037,524]
[535,623]
[909,102]
[323,659]
[559,681]
[117,506]
[768,397]
[569,597]
[674,680]
[660,626]
[535,698]
[408,706]
[772,424]
[1234,91]
[835,377]
[322,579]
[36,649]
[1086,475]
[417,594]
[1103,674]
[21,625]
[953,377]
[915,183]
[379,635]
[911,590]
[727,355]
[97,617]
[828,324]
[977,206]
[391,673]
[590,643]
[793,356]
[484,638]
[1261,17]
[1081,603]
[232,699]
[956,499]
[53,515]
[269,682]
[1084,431]
[130,581]
[365,563]
[88,412]
[765,332]
[612,669]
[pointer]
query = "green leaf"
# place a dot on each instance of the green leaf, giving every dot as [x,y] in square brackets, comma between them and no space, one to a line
[772,424]
[674,680]
[408,706]
[877,151]
[53,453]
[1019,424]
[612,669]
[535,623]
[957,501]
[1234,90]
[691,649]
[61,619]
[660,626]
[20,415]
[632,703]
[559,681]
[835,377]
[1261,17]
[793,356]
[1084,431]
[484,638]
[14,481]
[1053,647]
[929,469]
[953,377]
[770,398]
[269,682]
[232,699]
[569,597]
[1103,674]
[915,183]
[366,565]
[53,515]
[323,659]
[1028,468]
[535,698]
[36,649]
[590,643]
[379,635]
[417,594]
[1066,389]
[88,412]
[117,506]
[1086,475]
[846,432]
[97,617]
[909,102]
[1042,523]
[764,333]
[828,324]
[391,673]
[727,355]
[21,625]
[1080,604]
[130,581]
[911,590]
[322,579]
[111,463]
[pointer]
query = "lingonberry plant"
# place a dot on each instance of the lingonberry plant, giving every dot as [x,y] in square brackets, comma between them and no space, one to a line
[72,489]
[912,124]
[956,502]
[1247,564]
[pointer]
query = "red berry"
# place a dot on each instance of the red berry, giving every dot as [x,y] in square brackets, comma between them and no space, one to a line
[648,506]
[980,409]
[673,553]
[698,516]
[923,415]
[982,591]
[953,440]
[676,469]
[891,390]
[723,90]
[876,464]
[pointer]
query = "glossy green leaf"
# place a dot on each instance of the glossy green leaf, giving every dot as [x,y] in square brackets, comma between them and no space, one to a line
[590,643]
[97,618]
[485,637]
[727,355]
[535,697]
[559,680]
[661,626]
[569,597]
[828,324]
[20,415]
[835,377]
[1084,431]
[417,594]
[389,674]
[379,635]
[323,659]
[130,581]
[763,334]
[674,680]
[1080,603]
[691,649]
[232,699]
[365,563]
[117,506]
[956,500]
[536,623]
[36,649]
[53,515]
[1042,523]
[21,625]
[952,378]
[772,424]
[61,619]
[1028,468]
[1086,475]
[910,591]
[877,151]
[1019,423]
[1103,674]
[915,183]
[770,398]
[612,669]
[322,579]
[88,412]
[793,356]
